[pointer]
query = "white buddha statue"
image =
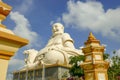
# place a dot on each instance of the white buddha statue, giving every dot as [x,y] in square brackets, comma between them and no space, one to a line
[59,48]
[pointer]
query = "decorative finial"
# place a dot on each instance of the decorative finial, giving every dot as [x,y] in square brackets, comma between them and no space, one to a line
[4,11]
[91,36]
[91,39]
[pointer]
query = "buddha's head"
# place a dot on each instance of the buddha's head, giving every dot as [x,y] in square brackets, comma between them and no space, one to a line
[57,28]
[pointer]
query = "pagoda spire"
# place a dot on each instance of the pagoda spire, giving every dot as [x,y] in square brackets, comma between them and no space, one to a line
[91,39]
[91,36]
[95,68]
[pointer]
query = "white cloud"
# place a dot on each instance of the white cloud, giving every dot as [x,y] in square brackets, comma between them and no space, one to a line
[26,6]
[118,52]
[14,64]
[91,15]
[23,28]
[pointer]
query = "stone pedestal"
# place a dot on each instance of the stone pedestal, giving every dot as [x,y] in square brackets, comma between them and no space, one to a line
[95,68]
[9,42]
[52,72]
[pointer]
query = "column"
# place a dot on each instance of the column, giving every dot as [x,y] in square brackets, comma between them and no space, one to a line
[9,42]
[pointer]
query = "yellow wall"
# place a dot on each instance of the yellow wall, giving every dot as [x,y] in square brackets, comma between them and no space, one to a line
[3,68]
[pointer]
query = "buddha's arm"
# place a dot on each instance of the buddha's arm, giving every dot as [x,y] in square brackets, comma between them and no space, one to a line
[69,44]
[68,41]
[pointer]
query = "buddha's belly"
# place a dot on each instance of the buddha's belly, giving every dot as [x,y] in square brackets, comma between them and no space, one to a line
[53,57]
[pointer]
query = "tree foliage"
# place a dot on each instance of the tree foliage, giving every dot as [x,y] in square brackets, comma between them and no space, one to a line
[76,70]
[106,56]
[114,69]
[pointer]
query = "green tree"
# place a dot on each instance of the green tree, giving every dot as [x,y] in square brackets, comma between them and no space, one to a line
[76,70]
[106,56]
[114,69]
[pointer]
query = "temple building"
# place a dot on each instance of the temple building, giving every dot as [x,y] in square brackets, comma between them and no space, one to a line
[95,68]
[51,62]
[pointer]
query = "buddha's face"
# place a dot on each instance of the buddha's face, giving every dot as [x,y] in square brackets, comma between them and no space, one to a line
[57,28]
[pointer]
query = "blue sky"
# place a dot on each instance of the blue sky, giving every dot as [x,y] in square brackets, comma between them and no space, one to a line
[33,19]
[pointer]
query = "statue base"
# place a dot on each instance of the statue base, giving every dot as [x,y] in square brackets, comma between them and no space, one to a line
[51,72]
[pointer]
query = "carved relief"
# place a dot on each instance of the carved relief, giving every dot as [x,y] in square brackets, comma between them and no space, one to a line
[98,57]
[88,58]
[101,76]
[88,66]
[89,76]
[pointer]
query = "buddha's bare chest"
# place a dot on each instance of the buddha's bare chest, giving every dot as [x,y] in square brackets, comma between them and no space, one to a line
[55,41]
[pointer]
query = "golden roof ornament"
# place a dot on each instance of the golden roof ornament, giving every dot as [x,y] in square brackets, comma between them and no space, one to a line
[92,39]
[4,11]
[91,36]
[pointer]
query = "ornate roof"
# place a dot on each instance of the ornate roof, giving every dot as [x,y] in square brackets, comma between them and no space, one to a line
[92,39]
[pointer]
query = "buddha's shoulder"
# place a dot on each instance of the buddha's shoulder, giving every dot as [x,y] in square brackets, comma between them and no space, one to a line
[66,34]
